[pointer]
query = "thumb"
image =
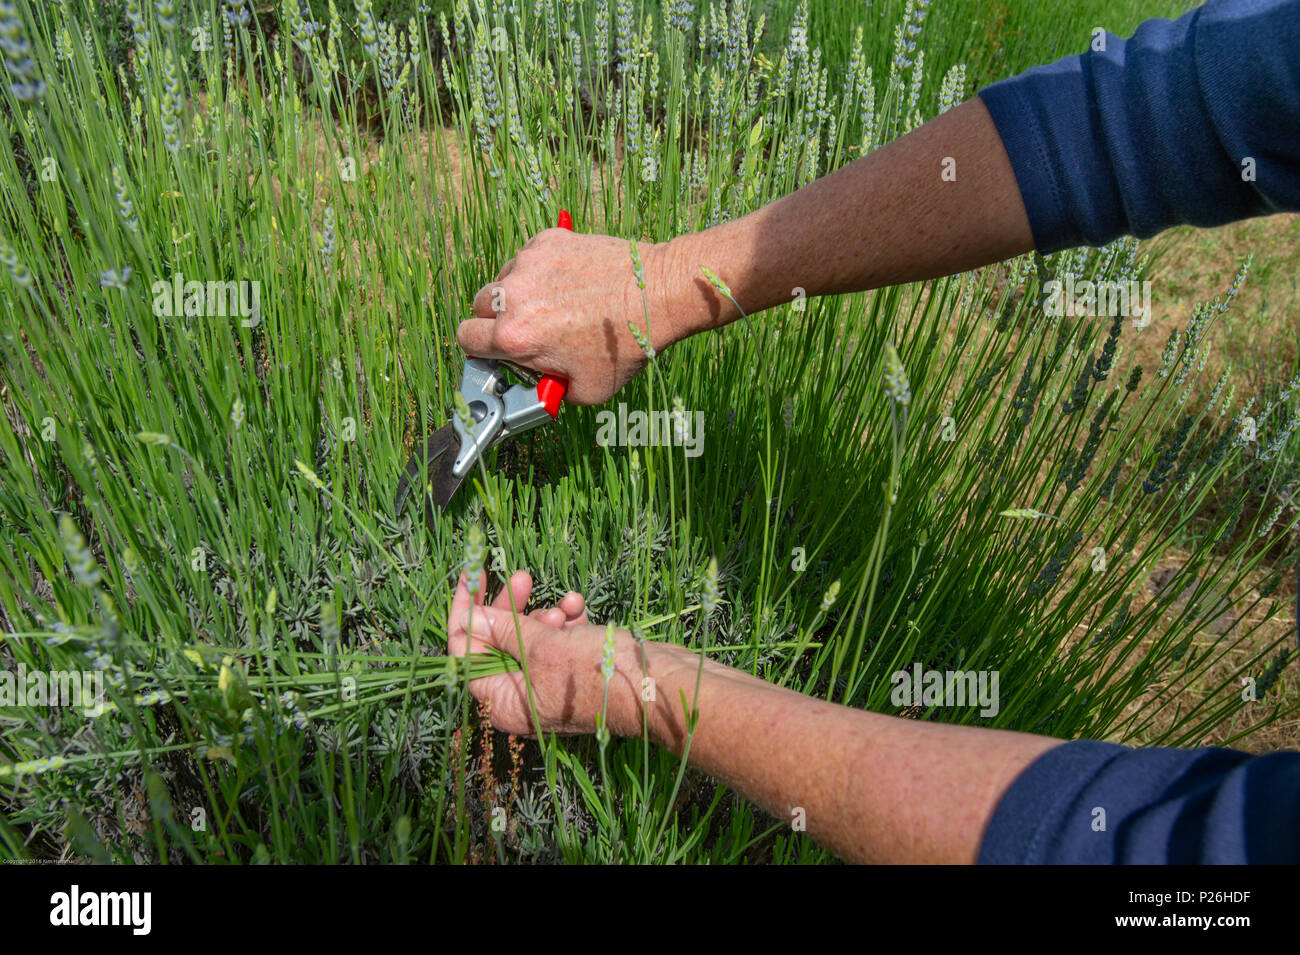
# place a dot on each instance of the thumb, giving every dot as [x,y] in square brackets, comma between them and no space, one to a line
[476,336]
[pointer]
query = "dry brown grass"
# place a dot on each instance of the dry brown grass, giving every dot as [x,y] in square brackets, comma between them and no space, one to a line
[1257,344]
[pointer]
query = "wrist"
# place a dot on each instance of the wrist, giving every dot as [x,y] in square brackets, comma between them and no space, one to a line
[649,689]
[682,302]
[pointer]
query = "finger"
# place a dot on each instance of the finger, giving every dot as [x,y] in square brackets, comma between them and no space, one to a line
[549,617]
[476,337]
[574,607]
[518,587]
[460,604]
[482,686]
[488,298]
[505,270]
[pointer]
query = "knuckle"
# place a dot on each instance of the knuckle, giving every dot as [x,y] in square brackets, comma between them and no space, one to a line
[523,259]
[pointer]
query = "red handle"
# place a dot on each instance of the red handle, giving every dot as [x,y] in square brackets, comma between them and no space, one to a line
[550,389]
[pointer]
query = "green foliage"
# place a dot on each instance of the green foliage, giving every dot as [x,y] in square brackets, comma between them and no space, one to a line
[272,632]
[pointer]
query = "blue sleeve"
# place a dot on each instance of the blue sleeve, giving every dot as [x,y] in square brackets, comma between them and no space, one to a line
[1090,802]
[1157,130]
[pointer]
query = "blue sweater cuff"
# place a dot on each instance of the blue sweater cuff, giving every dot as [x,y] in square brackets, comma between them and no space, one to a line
[1091,802]
[1192,121]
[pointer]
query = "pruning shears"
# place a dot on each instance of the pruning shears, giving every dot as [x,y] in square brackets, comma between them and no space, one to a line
[498,410]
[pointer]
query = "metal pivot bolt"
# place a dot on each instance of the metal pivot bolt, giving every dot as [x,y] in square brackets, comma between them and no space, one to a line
[499,410]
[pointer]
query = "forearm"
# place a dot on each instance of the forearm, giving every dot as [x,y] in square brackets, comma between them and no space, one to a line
[887,218]
[872,788]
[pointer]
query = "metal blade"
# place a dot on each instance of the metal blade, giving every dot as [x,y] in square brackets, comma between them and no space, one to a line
[435,460]
[443,480]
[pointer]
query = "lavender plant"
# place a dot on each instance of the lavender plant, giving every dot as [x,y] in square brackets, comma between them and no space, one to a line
[232,277]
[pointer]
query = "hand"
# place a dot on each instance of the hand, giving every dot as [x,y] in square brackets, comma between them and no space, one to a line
[563,651]
[565,301]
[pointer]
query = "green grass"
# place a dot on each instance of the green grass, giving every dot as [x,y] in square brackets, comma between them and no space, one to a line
[994,38]
[202,507]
